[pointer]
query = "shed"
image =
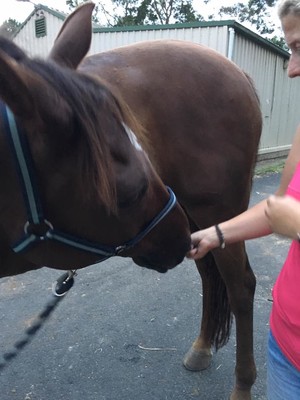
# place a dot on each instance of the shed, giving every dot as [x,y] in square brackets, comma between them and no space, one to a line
[265,63]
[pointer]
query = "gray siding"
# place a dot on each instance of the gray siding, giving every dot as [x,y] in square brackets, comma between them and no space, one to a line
[214,37]
[278,94]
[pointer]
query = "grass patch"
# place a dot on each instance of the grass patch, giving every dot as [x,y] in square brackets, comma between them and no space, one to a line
[264,168]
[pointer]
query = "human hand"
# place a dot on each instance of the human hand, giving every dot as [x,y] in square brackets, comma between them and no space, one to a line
[283,214]
[202,242]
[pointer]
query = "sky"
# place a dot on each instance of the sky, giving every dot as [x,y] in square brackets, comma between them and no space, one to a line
[20,10]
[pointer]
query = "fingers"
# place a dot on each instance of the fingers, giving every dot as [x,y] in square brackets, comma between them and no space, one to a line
[196,253]
[192,254]
[203,241]
[199,246]
[195,242]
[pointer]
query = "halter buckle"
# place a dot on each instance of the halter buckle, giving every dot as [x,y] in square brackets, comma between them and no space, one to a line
[121,248]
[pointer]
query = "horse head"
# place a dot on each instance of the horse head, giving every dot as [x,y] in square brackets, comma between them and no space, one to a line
[93,178]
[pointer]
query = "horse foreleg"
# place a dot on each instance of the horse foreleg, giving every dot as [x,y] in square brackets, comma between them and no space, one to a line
[229,289]
[199,355]
[240,282]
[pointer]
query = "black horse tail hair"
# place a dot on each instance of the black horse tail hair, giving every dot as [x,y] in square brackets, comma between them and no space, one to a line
[219,325]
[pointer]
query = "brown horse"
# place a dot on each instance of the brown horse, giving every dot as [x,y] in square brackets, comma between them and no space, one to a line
[196,123]
[77,186]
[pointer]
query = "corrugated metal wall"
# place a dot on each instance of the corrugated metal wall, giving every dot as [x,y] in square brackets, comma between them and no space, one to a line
[279,95]
[107,39]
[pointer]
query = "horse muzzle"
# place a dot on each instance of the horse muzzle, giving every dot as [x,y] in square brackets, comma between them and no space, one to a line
[163,259]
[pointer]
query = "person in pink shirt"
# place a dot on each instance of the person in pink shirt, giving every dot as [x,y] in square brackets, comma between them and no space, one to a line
[279,213]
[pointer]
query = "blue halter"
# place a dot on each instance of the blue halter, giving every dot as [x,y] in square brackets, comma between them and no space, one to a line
[35,215]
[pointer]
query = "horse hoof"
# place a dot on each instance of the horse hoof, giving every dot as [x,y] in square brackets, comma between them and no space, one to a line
[197,360]
[239,394]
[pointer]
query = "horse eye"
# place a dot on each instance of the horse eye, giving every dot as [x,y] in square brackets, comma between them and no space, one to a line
[132,197]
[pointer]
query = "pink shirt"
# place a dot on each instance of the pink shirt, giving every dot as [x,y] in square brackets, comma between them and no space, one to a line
[285,315]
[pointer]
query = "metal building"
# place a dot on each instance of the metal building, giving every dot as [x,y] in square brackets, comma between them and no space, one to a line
[264,62]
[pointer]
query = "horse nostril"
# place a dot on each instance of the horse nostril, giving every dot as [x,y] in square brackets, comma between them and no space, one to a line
[160,262]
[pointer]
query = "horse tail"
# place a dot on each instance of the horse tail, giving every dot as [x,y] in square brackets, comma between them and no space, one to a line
[219,310]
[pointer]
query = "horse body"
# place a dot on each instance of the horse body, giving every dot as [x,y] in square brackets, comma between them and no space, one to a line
[203,119]
[200,128]
[202,90]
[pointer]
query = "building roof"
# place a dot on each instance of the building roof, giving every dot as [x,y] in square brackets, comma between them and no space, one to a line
[37,7]
[239,28]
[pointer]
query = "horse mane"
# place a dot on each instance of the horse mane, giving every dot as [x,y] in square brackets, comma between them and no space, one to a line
[97,160]
[11,49]
[95,107]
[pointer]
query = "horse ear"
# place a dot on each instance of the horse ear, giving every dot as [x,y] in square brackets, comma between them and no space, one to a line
[74,39]
[14,85]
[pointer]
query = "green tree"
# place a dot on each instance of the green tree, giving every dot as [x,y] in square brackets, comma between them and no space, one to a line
[255,11]
[9,27]
[280,42]
[142,12]
[126,13]
[74,3]
[185,13]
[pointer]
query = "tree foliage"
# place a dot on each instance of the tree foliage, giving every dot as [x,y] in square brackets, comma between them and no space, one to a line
[9,27]
[144,12]
[280,42]
[255,11]
[74,3]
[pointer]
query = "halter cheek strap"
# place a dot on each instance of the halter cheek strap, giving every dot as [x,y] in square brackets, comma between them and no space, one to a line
[36,220]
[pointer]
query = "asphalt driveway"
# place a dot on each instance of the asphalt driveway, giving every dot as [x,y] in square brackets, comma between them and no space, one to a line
[122,331]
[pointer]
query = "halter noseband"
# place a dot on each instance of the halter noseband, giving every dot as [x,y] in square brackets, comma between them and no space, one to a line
[35,215]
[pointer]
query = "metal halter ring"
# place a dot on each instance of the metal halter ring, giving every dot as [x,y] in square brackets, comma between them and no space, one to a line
[40,237]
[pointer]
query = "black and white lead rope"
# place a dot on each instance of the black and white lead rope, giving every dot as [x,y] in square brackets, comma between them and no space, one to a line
[59,289]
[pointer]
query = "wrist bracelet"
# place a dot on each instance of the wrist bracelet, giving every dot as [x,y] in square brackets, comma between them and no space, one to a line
[221,236]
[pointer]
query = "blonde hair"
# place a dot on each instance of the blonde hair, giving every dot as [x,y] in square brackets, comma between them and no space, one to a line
[287,7]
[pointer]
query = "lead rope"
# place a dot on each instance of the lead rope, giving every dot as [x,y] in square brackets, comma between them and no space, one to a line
[59,289]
